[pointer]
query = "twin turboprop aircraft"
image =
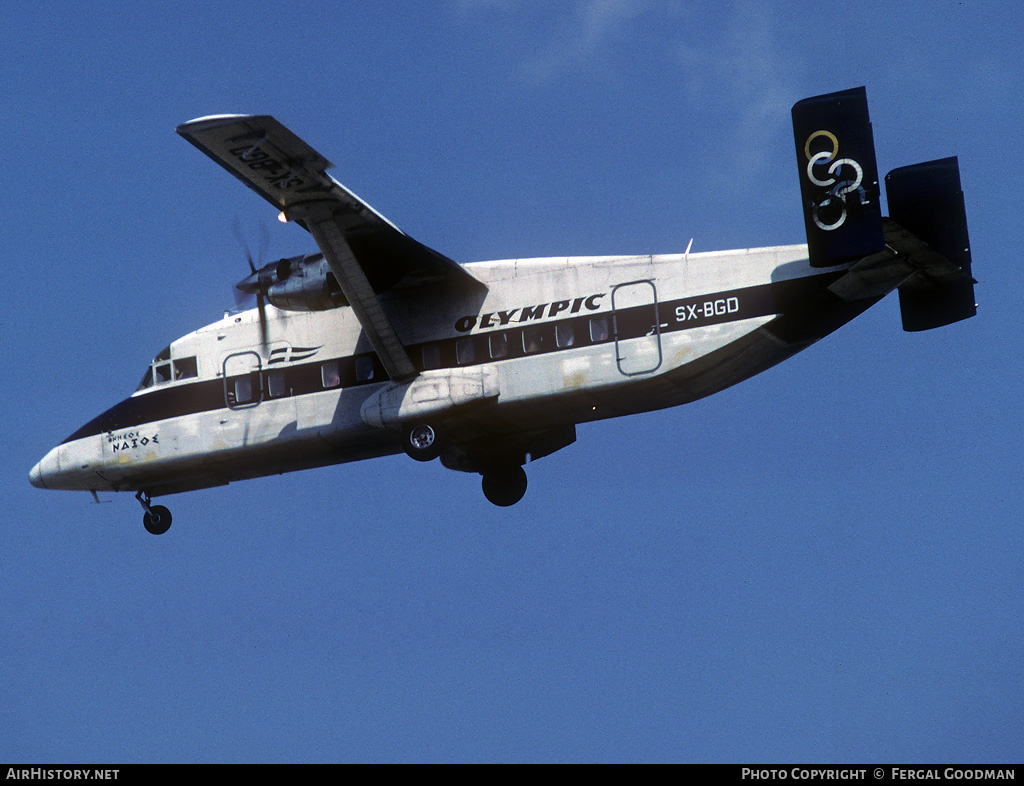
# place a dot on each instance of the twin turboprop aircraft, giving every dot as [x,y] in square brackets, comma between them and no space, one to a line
[378,344]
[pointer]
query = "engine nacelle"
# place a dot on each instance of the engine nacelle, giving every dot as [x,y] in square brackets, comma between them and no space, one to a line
[303,283]
[309,286]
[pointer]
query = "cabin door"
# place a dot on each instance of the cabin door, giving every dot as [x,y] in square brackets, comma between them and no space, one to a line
[637,327]
[243,383]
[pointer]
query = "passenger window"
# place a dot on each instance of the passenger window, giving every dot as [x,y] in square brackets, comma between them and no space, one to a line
[498,345]
[185,368]
[432,356]
[243,390]
[163,372]
[330,375]
[464,352]
[275,384]
[599,328]
[565,336]
[364,368]
[532,339]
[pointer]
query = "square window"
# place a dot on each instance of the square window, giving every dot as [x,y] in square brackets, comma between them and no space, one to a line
[464,351]
[599,328]
[243,390]
[498,345]
[330,375]
[163,372]
[275,384]
[532,339]
[185,368]
[565,336]
[364,368]
[432,356]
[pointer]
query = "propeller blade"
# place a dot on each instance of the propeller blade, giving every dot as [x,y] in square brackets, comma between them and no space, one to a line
[237,229]
[262,307]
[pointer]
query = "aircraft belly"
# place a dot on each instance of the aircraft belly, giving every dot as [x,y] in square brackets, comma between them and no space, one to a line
[219,446]
[587,384]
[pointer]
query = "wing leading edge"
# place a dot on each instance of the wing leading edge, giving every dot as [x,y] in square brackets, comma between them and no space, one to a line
[366,252]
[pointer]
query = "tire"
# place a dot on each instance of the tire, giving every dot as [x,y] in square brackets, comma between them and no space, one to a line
[422,442]
[506,487]
[157,520]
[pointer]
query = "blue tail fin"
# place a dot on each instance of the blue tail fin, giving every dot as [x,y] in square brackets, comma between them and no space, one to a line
[926,199]
[838,177]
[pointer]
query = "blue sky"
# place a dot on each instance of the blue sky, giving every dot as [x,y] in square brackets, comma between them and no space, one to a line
[820,564]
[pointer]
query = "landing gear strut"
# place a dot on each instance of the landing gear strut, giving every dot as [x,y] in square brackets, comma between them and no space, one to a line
[157,519]
[504,487]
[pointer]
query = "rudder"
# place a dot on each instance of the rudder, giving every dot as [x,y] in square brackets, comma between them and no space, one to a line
[838,177]
[926,199]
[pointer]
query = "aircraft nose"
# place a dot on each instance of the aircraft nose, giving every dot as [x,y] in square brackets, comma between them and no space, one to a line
[47,467]
[35,476]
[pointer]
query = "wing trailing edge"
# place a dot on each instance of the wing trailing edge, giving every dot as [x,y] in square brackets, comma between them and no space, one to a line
[366,253]
[288,173]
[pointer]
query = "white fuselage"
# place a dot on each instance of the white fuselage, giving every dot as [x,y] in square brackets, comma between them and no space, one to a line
[552,342]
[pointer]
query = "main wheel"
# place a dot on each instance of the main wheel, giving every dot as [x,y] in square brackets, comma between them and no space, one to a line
[422,442]
[157,520]
[505,487]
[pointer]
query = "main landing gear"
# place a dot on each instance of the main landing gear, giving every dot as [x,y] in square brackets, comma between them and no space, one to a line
[422,441]
[504,487]
[157,519]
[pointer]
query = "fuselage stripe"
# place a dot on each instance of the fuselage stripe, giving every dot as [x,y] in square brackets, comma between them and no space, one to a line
[188,398]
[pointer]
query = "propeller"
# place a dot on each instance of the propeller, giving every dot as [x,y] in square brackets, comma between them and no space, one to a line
[260,279]
[256,283]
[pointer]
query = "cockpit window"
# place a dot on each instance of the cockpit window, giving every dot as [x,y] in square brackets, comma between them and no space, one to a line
[147,379]
[162,369]
[185,368]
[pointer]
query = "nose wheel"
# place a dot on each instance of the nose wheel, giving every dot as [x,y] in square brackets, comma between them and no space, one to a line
[157,518]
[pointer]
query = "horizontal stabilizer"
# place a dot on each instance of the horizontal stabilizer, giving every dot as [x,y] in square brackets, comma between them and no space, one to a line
[926,199]
[838,177]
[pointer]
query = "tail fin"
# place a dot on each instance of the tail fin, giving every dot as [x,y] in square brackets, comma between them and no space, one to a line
[926,199]
[838,177]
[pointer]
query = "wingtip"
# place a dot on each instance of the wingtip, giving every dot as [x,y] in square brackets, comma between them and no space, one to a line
[208,121]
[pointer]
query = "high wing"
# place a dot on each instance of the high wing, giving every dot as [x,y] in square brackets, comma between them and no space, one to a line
[366,252]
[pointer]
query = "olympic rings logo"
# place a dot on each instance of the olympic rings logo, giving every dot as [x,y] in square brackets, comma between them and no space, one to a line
[830,213]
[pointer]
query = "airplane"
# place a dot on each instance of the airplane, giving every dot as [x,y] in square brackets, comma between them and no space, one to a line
[378,344]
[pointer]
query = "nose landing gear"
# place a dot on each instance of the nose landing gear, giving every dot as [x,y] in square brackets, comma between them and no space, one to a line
[157,518]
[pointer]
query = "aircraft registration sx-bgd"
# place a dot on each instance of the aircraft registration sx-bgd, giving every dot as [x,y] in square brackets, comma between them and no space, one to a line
[379,344]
